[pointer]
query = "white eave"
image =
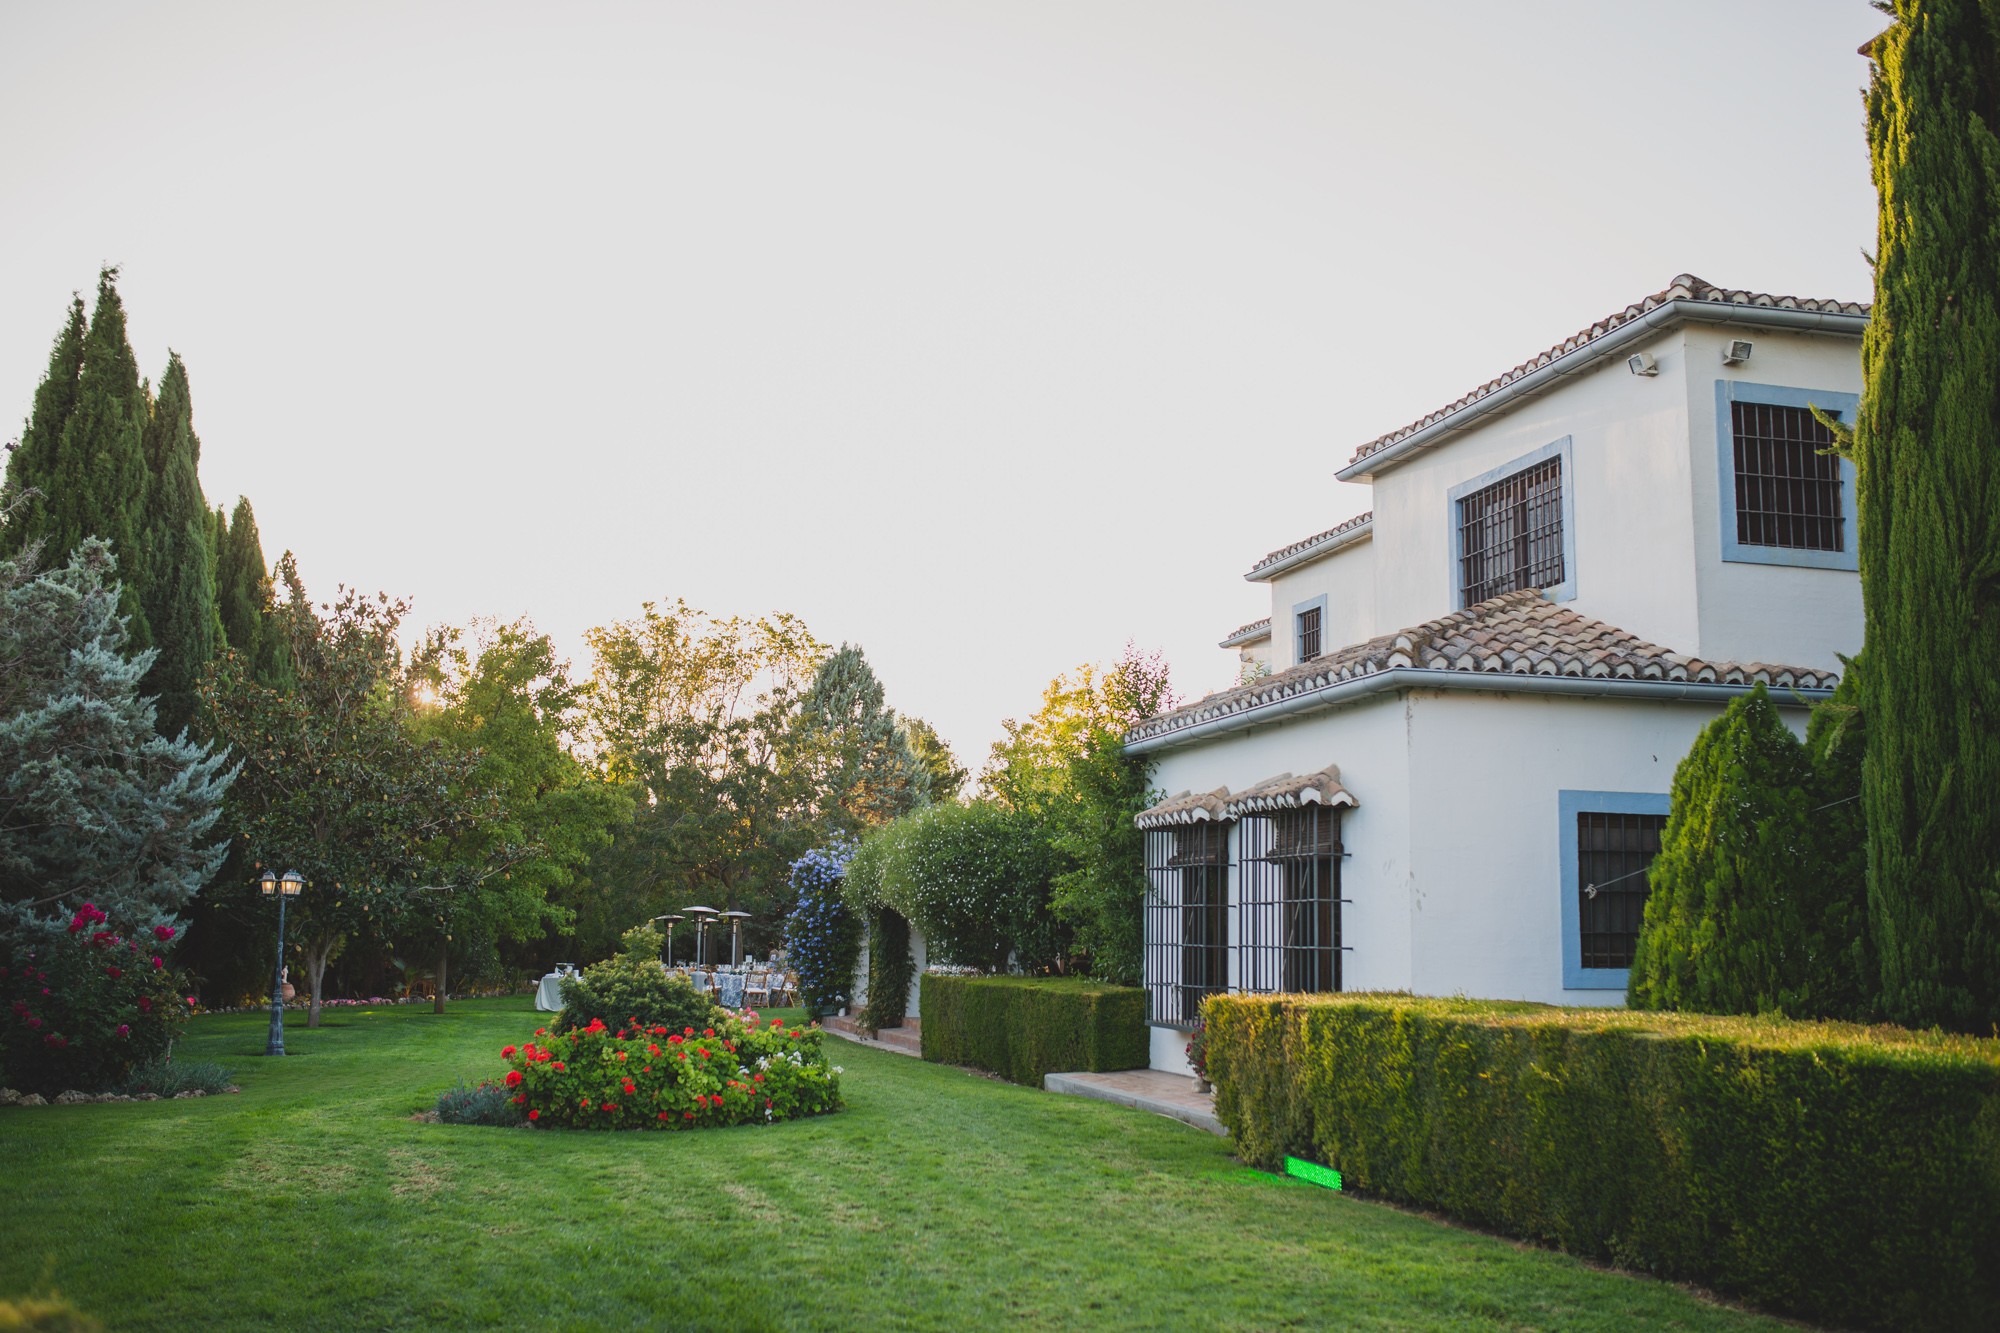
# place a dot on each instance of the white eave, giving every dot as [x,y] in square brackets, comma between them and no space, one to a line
[1359,528]
[1254,632]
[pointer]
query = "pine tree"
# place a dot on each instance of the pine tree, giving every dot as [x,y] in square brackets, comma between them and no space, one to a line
[243,597]
[179,596]
[852,751]
[1927,452]
[33,465]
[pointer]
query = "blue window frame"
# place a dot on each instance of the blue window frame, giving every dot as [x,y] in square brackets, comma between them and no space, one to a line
[1729,393]
[1309,630]
[1572,809]
[1525,525]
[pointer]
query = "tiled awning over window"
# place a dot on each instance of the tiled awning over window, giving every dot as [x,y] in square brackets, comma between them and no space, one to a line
[1184,809]
[1286,792]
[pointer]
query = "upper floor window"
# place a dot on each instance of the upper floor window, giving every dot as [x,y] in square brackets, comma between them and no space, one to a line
[1309,630]
[1510,534]
[1788,490]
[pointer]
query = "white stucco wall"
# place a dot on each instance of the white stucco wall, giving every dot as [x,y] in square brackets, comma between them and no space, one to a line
[1346,578]
[1631,496]
[1758,612]
[919,953]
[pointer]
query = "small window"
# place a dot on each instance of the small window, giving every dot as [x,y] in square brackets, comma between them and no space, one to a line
[1511,534]
[1288,928]
[1309,633]
[1613,854]
[1787,480]
[1187,920]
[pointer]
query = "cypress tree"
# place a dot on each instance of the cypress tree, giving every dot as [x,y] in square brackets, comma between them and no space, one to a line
[32,465]
[179,596]
[243,597]
[1927,452]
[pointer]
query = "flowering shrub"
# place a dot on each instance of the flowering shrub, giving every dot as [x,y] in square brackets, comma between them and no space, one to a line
[639,1077]
[86,1004]
[1197,1048]
[822,933]
[632,982]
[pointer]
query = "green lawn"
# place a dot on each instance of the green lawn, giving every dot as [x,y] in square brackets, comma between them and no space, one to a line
[937,1199]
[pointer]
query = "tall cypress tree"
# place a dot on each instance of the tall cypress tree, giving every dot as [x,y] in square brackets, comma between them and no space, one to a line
[179,595]
[243,596]
[96,477]
[33,464]
[1927,449]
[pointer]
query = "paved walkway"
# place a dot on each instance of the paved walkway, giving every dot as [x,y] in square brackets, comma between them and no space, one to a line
[905,1040]
[1148,1089]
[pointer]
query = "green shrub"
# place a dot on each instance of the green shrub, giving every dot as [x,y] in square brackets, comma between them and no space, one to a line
[1024,1027]
[1845,1174]
[486,1103]
[974,878]
[86,1004]
[631,986]
[823,933]
[1757,900]
[44,1314]
[598,1077]
[165,1077]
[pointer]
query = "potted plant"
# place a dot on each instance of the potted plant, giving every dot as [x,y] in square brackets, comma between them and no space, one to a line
[1197,1055]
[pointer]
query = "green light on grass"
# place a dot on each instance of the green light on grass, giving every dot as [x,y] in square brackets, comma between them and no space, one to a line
[1312,1172]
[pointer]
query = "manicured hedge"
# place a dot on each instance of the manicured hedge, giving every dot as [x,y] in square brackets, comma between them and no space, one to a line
[1846,1174]
[1024,1027]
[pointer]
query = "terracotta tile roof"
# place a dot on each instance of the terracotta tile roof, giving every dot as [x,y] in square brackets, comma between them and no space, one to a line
[1685,287]
[1186,808]
[1287,555]
[1250,633]
[1518,633]
[1286,792]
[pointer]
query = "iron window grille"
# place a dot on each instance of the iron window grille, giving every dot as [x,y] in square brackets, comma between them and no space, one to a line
[1309,636]
[1288,917]
[1787,481]
[1510,534]
[1613,855]
[1187,920]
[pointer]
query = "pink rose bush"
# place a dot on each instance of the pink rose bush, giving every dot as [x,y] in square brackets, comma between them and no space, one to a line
[638,1077]
[76,1016]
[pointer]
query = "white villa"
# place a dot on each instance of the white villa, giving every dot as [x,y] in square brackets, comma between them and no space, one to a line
[1448,766]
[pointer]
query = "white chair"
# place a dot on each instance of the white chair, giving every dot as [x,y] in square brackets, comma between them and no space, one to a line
[757,990]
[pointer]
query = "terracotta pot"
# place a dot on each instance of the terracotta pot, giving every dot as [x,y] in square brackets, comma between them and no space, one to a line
[290,992]
[1202,1085]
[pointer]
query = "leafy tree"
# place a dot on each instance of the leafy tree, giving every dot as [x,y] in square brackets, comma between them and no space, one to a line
[508,701]
[1927,453]
[336,782]
[94,803]
[179,596]
[1066,767]
[945,776]
[850,751]
[1747,910]
[84,451]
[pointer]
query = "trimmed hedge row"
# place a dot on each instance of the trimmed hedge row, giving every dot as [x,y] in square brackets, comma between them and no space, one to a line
[1842,1173]
[1024,1027]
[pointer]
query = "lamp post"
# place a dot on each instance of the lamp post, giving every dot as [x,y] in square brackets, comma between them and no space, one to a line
[284,890]
[736,920]
[701,916]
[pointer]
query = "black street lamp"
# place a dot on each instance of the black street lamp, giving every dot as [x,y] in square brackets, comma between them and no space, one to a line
[284,890]
[736,920]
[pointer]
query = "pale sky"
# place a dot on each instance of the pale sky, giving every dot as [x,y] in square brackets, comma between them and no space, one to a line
[987,336]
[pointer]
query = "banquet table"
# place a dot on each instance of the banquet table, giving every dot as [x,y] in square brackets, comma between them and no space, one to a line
[548,995]
[729,989]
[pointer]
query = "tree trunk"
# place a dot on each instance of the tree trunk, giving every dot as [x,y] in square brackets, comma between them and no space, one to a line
[318,953]
[444,958]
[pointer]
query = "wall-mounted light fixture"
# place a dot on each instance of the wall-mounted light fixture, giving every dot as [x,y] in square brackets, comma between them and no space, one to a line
[1642,363]
[1735,352]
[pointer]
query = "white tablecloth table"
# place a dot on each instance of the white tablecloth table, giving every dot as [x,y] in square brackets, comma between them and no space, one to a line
[548,995]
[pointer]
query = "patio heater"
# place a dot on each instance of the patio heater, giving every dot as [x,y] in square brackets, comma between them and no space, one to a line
[736,920]
[670,935]
[701,916]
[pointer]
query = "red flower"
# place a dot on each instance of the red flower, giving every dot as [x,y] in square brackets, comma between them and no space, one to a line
[682,1054]
[520,1098]
[708,1032]
[688,1114]
[156,961]
[124,1029]
[145,1004]
[584,1103]
[621,1055]
[777,1022]
[541,1032]
[652,1050]
[688,1031]
[607,1108]
[767,1104]
[34,1022]
[663,1115]
[758,1077]
[675,1039]
[506,1052]
[629,1087]
[513,1078]
[113,973]
[717,1099]
[163,933]
[534,1115]
[559,1066]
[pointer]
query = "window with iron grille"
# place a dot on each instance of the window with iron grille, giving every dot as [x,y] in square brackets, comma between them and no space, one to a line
[1787,484]
[1613,853]
[1288,913]
[1309,632]
[1187,920]
[1510,534]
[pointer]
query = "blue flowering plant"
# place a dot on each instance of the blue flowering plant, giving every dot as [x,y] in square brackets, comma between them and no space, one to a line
[823,935]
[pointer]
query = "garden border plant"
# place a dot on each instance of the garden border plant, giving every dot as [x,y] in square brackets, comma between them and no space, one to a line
[1023,1028]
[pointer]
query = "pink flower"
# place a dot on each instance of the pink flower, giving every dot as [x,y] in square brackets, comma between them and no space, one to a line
[124,1029]
[157,962]
[163,933]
